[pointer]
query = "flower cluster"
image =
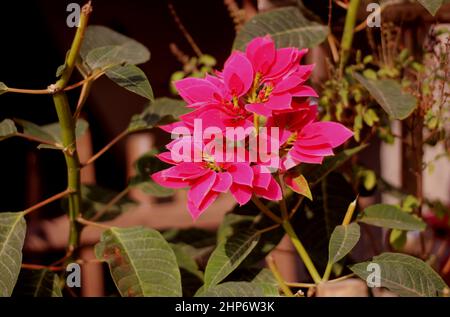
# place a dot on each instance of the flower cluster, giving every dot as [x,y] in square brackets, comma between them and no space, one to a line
[261,87]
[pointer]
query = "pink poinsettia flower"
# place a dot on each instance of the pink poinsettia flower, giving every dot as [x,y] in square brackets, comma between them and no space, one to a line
[206,179]
[305,139]
[278,76]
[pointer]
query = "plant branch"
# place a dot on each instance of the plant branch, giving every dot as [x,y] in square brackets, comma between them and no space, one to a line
[302,252]
[41,267]
[283,207]
[68,136]
[47,201]
[106,147]
[30,91]
[36,139]
[347,37]
[91,78]
[297,205]
[276,273]
[266,211]
[347,219]
[85,90]
[111,203]
[86,222]
[183,30]
[302,285]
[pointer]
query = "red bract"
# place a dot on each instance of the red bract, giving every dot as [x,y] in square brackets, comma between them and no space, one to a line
[261,82]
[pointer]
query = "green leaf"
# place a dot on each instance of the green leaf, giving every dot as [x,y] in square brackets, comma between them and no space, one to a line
[389,95]
[404,275]
[390,216]
[35,130]
[3,88]
[342,241]
[7,129]
[12,235]
[267,282]
[50,132]
[159,112]
[315,221]
[287,26]
[410,203]
[397,239]
[232,289]
[96,198]
[185,261]
[316,173]
[431,5]
[145,166]
[231,224]
[110,47]
[228,255]
[131,78]
[37,283]
[302,187]
[141,262]
[60,70]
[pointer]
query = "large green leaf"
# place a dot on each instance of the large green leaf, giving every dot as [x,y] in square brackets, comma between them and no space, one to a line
[389,95]
[145,166]
[95,199]
[403,274]
[12,235]
[342,241]
[3,88]
[431,5]
[131,78]
[7,129]
[287,26]
[38,283]
[228,255]
[161,111]
[390,216]
[103,46]
[232,289]
[141,262]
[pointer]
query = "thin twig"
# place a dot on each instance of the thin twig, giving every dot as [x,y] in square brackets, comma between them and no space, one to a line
[276,273]
[263,208]
[302,285]
[30,91]
[39,140]
[297,205]
[92,223]
[183,30]
[111,203]
[41,267]
[47,201]
[106,148]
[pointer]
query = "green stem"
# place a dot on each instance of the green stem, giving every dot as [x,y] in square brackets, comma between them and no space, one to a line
[72,163]
[301,251]
[327,273]
[68,136]
[347,36]
[276,273]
